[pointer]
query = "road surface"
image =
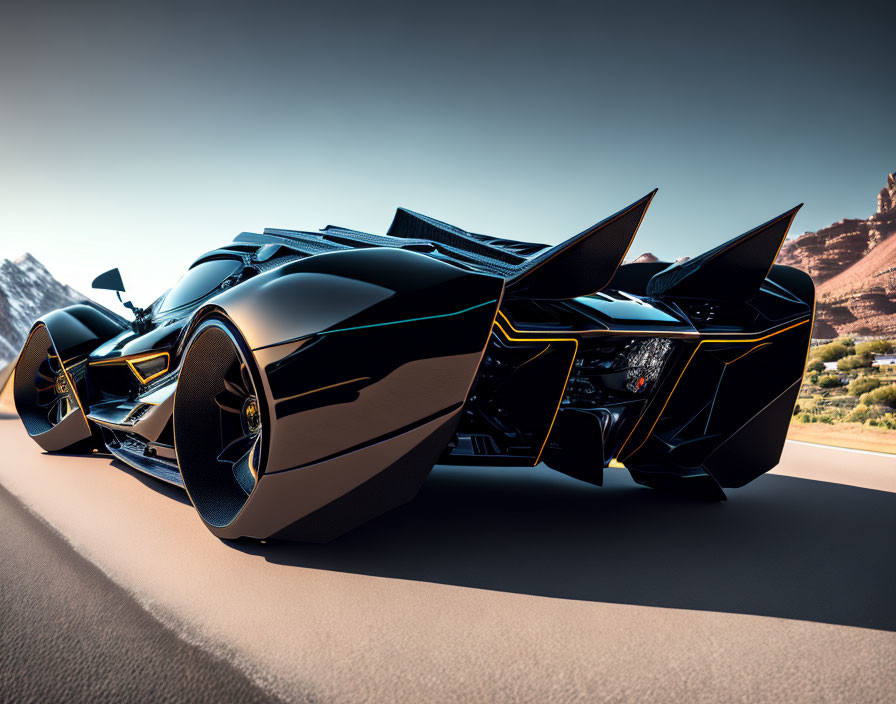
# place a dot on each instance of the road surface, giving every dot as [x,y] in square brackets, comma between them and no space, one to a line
[68,633]
[494,585]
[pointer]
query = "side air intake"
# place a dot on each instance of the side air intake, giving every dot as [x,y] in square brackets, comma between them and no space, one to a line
[582,264]
[733,271]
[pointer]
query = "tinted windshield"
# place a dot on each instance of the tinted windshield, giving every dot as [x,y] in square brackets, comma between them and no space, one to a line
[199,281]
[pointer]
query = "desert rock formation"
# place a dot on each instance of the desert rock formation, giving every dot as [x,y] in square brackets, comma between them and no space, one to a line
[853,264]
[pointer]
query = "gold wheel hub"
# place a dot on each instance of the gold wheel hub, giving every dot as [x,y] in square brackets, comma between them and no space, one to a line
[61,385]
[251,416]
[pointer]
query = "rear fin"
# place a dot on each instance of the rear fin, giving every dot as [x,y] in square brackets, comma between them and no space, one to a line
[582,264]
[733,271]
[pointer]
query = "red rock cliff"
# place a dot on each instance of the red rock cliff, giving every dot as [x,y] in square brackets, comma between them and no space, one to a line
[853,264]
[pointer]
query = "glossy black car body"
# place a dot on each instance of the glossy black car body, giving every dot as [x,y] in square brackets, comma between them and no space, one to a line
[300,383]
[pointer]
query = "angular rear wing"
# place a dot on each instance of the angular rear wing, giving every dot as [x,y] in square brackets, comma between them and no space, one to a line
[582,264]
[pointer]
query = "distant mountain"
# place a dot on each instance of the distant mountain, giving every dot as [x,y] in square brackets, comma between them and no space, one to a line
[646,258]
[853,264]
[27,291]
[651,258]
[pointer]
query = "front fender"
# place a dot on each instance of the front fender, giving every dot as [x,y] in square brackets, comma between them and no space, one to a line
[70,334]
[79,329]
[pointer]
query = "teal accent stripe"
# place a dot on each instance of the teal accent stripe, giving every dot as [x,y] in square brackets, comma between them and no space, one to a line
[411,320]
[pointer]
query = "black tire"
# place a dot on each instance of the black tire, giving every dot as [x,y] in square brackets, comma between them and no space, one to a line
[219,423]
[46,399]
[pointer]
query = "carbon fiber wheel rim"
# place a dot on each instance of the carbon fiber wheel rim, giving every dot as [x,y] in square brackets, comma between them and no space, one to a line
[218,424]
[44,397]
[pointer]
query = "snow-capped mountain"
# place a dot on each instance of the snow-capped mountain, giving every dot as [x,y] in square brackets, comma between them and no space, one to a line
[27,290]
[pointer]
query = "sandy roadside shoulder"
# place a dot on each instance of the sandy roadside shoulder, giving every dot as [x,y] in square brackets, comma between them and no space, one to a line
[854,436]
[838,465]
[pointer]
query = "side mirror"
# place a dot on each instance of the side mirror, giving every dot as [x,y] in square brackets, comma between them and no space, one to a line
[110,281]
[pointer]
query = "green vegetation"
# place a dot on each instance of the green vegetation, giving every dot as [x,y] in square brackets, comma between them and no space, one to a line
[855,361]
[856,393]
[883,396]
[875,347]
[860,414]
[887,421]
[830,352]
[863,385]
[830,382]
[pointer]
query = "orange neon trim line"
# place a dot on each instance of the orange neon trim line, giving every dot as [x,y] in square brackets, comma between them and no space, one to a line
[323,388]
[608,331]
[736,240]
[783,240]
[670,334]
[659,415]
[133,362]
[488,338]
[806,362]
[752,349]
[565,381]
[136,359]
[532,359]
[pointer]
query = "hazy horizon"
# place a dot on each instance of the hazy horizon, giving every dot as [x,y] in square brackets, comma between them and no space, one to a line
[140,135]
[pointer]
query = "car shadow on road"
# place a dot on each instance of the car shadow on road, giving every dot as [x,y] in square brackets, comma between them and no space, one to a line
[172,492]
[175,493]
[782,546]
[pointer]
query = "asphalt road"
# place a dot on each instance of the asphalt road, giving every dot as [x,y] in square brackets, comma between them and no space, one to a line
[69,634]
[494,585]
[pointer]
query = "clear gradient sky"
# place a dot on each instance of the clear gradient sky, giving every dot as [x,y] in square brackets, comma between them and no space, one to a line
[142,134]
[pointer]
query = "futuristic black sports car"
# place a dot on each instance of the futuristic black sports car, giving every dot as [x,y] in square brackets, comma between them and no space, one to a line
[299,383]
